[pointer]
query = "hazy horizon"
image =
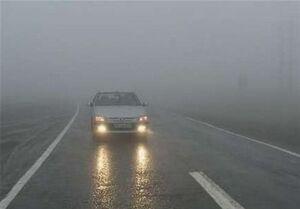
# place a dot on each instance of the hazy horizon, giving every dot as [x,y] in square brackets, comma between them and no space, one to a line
[181,52]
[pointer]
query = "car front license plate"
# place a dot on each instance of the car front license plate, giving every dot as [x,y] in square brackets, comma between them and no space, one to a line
[123,125]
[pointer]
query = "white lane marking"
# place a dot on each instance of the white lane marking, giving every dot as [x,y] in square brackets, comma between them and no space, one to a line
[25,178]
[216,192]
[245,137]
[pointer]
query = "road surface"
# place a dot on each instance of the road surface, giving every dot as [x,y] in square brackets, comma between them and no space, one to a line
[183,164]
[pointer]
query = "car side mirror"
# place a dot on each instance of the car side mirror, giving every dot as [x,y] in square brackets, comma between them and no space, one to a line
[144,104]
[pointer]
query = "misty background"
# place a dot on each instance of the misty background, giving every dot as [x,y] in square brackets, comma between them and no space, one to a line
[234,64]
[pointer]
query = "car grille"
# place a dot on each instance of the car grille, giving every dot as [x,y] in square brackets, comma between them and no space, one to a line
[126,123]
[122,120]
[112,127]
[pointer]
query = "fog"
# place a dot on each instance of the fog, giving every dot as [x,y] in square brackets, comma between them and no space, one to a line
[170,53]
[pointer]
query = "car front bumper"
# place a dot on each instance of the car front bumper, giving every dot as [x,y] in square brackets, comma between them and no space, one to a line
[107,128]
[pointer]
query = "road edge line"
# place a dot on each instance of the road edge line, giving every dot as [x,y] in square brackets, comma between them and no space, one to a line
[216,192]
[31,171]
[245,137]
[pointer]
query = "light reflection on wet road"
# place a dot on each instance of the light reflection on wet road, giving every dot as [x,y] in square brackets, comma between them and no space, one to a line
[142,178]
[125,172]
[103,191]
[108,185]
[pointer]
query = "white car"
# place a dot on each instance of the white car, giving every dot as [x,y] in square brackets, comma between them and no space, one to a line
[118,112]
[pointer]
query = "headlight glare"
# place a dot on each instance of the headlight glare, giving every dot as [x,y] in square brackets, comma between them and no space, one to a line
[142,128]
[143,118]
[102,129]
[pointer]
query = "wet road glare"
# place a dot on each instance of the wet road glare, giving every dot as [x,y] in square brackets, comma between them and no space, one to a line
[123,171]
[114,157]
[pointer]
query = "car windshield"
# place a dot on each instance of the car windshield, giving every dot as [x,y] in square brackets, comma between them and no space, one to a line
[117,98]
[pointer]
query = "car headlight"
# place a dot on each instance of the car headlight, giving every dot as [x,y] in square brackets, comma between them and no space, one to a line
[143,118]
[142,128]
[102,128]
[99,119]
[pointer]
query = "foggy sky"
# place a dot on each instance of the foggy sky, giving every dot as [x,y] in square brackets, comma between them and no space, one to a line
[165,51]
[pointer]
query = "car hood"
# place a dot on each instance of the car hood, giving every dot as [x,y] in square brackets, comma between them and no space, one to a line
[119,111]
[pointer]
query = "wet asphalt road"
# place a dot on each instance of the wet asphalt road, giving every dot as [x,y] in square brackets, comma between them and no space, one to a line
[127,172]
